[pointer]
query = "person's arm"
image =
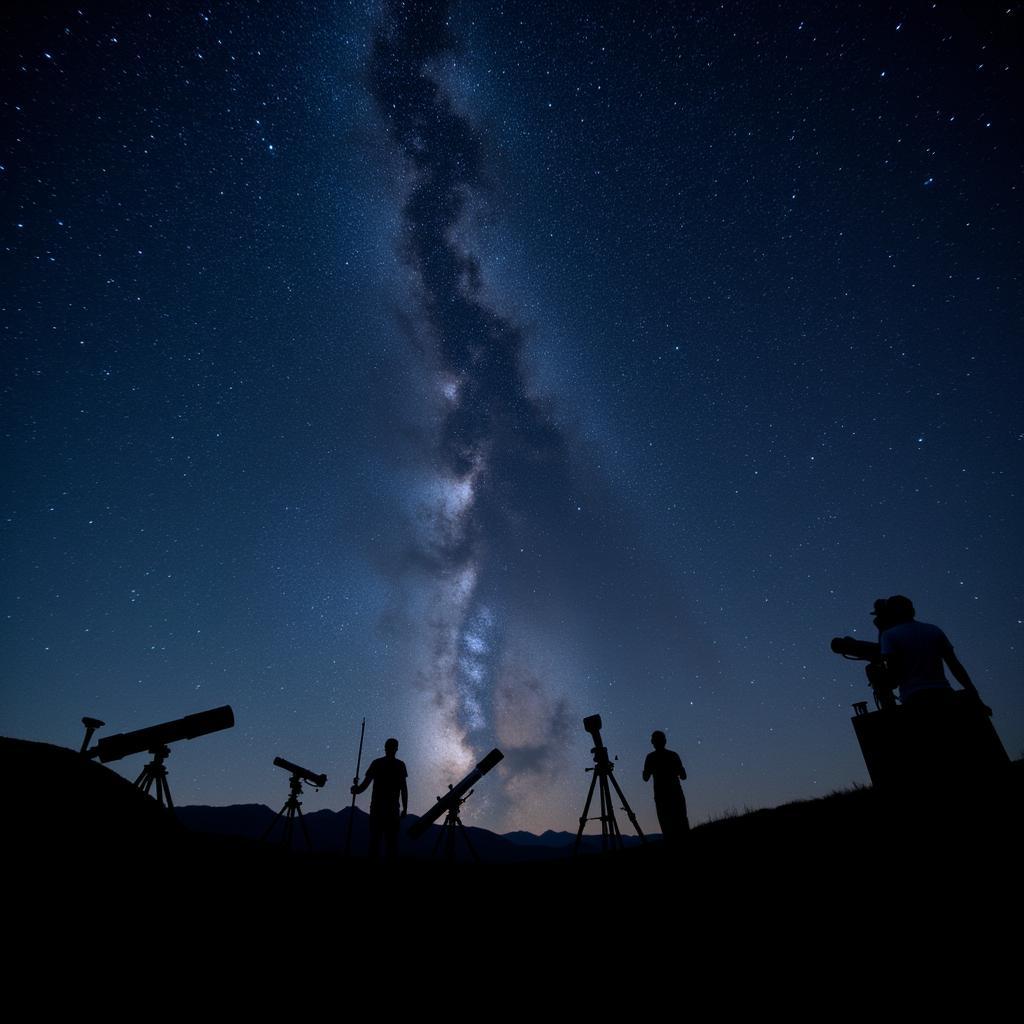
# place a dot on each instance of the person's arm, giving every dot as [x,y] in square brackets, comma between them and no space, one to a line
[682,770]
[405,798]
[959,673]
[647,768]
[358,788]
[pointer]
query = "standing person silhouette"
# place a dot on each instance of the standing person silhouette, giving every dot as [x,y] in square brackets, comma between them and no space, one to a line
[667,771]
[388,776]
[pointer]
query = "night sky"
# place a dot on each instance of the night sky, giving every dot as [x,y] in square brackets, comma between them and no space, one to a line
[479,367]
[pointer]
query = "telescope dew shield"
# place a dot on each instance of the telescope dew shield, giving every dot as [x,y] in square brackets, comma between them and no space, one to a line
[452,796]
[113,748]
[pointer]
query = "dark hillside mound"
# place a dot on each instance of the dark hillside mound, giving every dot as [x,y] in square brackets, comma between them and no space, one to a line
[59,804]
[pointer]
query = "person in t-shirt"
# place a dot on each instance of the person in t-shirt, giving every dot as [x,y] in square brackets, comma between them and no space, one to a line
[667,770]
[914,653]
[388,776]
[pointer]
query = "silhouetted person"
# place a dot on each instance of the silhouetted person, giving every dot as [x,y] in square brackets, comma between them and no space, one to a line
[946,742]
[388,776]
[667,770]
[914,653]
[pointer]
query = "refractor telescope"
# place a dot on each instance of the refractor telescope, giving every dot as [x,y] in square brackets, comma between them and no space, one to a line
[302,774]
[113,748]
[293,805]
[856,650]
[451,800]
[155,740]
[611,837]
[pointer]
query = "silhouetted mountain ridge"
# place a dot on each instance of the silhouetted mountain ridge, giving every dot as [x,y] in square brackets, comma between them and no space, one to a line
[328,832]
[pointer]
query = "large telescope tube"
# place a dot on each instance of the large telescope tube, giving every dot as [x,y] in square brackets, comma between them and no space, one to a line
[451,798]
[113,748]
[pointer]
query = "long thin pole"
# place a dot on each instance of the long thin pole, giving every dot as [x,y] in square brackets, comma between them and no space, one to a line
[355,782]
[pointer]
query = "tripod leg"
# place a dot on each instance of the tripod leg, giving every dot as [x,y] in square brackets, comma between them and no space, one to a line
[603,789]
[612,833]
[586,811]
[465,835]
[166,792]
[305,831]
[628,810]
[438,841]
[270,827]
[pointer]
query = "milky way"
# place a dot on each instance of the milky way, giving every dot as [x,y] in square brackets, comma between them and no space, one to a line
[494,442]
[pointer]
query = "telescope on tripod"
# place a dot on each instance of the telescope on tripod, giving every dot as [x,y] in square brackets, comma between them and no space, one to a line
[611,836]
[292,808]
[156,740]
[449,805]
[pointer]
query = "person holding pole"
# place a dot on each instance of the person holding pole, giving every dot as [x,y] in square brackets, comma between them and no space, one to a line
[388,776]
[355,782]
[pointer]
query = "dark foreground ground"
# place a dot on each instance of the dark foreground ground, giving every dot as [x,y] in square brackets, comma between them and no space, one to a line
[865,884]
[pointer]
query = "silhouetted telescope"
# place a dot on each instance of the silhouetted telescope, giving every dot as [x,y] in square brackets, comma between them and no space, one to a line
[113,748]
[603,770]
[451,799]
[303,774]
[856,650]
[293,805]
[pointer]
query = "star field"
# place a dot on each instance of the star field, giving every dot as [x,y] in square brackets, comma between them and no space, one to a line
[478,367]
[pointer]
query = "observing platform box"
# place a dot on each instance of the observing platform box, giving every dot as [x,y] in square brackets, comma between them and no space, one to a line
[902,745]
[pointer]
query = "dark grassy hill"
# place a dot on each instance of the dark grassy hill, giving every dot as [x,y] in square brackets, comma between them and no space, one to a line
[106,887]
